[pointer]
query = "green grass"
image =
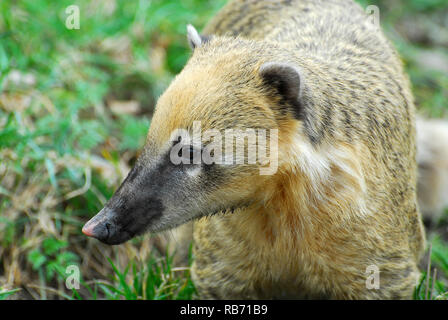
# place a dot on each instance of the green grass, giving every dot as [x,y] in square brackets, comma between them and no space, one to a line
[430,287]
[7,293]
[156,279]
[67,138]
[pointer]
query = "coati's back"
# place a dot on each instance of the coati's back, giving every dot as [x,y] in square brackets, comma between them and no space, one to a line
[328,30]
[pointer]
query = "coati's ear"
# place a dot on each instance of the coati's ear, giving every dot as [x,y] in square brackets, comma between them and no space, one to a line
[286,79]
[194,38]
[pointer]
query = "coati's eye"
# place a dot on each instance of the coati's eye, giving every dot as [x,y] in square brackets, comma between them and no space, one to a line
[185,152]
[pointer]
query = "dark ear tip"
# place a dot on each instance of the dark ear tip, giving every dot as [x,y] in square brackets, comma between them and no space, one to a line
[286,79]
[281,70]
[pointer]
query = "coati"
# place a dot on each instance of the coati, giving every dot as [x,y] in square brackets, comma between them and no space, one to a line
[342,201]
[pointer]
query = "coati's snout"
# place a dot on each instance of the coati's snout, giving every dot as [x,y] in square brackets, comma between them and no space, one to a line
[157,194]
[160,194]
[134,206]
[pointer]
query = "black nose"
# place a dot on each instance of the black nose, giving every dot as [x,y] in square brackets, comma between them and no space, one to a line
[97,227]
[100,231]
[100,226]
[103,227]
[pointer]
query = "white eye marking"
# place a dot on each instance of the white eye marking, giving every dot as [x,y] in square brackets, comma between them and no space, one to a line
[193,171]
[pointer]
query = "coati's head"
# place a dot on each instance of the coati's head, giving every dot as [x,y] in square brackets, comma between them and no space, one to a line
[229,83]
